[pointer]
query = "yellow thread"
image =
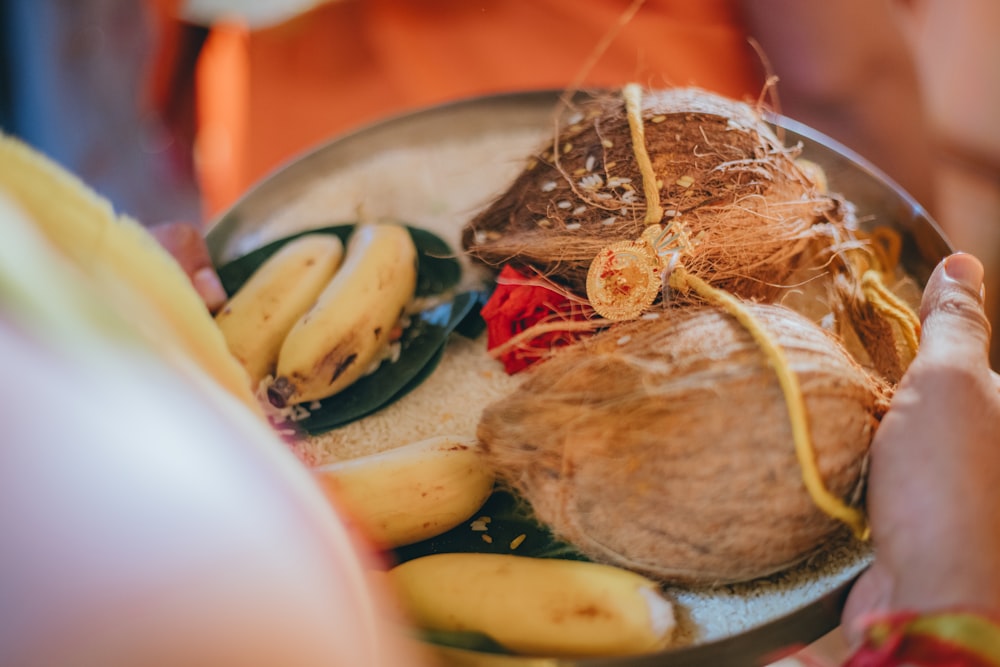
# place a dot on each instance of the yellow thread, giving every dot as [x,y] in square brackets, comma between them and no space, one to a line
[888,246]
[547,327]
[827,502]
[633,108]
[890,305]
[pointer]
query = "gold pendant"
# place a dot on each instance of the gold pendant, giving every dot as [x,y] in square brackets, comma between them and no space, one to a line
[624,280]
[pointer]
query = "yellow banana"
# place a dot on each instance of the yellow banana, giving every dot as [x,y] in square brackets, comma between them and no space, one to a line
[260,314]
[536,606]
[348,327]
[411,493]
[122,261]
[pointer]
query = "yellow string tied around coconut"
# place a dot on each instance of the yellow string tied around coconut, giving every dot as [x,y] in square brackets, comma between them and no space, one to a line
[827,502]
[632,93]
[626,277]
[892,307]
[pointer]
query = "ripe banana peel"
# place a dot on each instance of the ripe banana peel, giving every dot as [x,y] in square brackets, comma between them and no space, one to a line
[349,326]
[122,261]
[536,606]
[258,317]
[411,493]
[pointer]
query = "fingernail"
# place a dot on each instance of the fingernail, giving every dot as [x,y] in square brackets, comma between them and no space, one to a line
[966,270]
[206,282]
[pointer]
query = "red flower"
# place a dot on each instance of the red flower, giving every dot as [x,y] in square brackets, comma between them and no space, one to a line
[520,302]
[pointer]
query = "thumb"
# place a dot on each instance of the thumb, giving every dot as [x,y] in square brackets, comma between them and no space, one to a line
[955,327]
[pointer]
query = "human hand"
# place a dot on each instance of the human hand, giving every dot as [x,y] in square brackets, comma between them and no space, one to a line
[934,482]
[186,244]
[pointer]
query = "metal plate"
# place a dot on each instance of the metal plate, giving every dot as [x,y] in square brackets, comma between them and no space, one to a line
[436,167]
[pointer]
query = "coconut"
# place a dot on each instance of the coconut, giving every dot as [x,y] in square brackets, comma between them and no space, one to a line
[664,445]
[747,210]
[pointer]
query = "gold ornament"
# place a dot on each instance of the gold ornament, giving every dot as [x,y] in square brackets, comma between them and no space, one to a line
[623,280]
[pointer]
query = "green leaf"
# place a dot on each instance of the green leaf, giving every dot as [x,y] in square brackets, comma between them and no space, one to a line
[469,641]
[509,517]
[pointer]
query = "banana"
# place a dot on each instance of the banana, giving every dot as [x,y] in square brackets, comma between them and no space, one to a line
[348,327]
[410,493]
[536,606]
[123,261]
[260,314]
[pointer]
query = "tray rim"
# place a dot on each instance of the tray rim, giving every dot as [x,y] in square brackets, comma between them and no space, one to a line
[760,644]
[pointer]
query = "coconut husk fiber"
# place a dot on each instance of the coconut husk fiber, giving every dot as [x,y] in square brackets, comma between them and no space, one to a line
[748,209]
[663,445]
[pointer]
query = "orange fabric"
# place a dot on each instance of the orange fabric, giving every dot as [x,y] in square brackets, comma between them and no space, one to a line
[355,61]
[222,89]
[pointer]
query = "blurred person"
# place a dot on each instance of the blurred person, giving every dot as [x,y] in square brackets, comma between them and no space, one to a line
[73,75]
[268,89]
[957,52]
[160,102]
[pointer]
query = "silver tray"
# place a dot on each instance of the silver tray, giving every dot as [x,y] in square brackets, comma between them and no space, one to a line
[436,166]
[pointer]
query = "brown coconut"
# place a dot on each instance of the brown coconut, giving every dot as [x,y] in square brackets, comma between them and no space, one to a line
[725,179]
[664,445]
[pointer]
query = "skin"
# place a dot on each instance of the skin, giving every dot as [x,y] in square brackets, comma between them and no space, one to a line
[934,482]
[185,242]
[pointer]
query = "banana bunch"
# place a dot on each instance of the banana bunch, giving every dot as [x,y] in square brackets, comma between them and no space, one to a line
[258,317]
[318,326]
[411,493]
[536,606]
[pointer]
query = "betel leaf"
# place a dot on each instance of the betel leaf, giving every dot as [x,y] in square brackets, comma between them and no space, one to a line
[467,641]
[438,270]
[421,346]
[498,528]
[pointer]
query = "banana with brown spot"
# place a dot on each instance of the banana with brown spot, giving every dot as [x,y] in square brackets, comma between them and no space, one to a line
[349,326]
[542,607]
